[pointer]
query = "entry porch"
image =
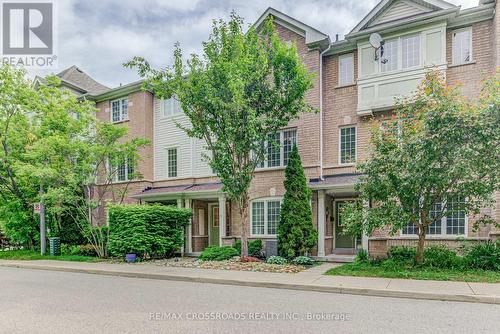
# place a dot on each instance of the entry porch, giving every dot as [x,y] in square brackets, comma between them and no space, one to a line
[332,193]
[210,223]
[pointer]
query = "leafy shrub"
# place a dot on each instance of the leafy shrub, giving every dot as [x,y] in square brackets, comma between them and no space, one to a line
[154,230]
[215,253]
[402,254]
[362,256]
[483,255]
[390,264]
[84,250]
[276,260]
[254,248]
[303,261]
[440,256]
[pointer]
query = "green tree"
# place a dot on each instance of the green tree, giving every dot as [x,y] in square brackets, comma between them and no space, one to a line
[39,128]
[54,150]
[296,232]
[244,87]
[439,154]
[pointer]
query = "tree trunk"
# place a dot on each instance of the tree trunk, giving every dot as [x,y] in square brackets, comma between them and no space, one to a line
[243,206]
[421,243]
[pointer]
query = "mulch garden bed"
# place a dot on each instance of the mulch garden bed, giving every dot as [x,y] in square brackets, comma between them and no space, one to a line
[233,264]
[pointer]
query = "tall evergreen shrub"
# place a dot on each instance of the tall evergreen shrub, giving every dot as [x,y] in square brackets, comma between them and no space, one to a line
[296,232]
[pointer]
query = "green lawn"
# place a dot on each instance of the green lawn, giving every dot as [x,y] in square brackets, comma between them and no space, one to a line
[31,255]
[420,273]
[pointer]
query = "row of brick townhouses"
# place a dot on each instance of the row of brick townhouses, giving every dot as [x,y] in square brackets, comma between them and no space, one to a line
[350,90]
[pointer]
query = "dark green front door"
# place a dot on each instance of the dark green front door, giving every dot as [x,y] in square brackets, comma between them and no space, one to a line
[214,226]
[341,240]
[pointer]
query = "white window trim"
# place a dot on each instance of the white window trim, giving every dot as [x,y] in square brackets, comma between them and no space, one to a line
[355,145]
[347,55]
[400,68]
[265,200]
[471,60]
[443,233]
[115,177]
[122,119]
[162,110]
[282,151]
[168,165]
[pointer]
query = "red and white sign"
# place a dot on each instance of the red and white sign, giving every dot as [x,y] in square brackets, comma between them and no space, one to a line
[36,208]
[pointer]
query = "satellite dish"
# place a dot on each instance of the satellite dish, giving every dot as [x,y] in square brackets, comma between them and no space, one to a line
[377,43]
[376,40]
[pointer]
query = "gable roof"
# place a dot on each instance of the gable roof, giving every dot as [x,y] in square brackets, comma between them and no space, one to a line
[392,10]
[74,76]
[313,36]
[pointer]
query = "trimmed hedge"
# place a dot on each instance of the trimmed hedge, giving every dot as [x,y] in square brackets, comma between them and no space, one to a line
[146,230]
[215,253]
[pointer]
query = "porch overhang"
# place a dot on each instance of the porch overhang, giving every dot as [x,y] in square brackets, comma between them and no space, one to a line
[196,190]
[339,182]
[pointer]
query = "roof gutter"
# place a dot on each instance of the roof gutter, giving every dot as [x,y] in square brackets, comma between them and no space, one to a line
[321,110]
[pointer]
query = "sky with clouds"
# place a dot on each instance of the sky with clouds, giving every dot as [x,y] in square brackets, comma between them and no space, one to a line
[100,35]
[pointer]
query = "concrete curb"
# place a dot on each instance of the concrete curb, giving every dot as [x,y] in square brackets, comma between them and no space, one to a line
[301,287]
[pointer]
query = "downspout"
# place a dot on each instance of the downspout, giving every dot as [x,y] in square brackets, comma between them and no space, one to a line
[321,111]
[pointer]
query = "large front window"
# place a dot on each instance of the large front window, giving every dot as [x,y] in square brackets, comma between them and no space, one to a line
[453,223]
[119,110]
[124,169]
[265,216]
[278,148]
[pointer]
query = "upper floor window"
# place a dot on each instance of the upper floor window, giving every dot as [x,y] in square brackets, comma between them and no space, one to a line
[171,107]
[346,69]
[278,148]
[172,162]
[389,61]
[410,51]
[401,53]
[265,216]
[462,46]
[347,146]
[119,110]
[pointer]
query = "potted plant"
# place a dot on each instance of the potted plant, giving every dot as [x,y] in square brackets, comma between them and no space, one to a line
[130,257]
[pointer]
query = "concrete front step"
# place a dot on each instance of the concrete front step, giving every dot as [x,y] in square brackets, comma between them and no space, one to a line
[340,258]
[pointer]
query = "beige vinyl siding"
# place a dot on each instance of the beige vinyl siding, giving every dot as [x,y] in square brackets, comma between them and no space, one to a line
[168,135]
[399,10]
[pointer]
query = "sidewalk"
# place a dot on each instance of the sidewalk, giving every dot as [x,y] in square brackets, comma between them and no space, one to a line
[308,280]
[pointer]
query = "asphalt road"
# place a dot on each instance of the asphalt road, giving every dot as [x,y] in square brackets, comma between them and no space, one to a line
[35,301]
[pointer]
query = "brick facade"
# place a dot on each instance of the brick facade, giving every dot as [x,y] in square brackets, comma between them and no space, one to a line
[339,109]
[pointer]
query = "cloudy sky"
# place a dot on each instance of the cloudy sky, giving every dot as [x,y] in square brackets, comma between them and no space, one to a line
[100,35]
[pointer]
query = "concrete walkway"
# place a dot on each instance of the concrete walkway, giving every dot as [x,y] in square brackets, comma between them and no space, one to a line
[308,280]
